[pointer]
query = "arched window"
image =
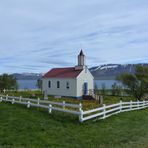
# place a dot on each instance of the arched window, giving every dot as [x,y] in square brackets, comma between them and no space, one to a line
[58,84]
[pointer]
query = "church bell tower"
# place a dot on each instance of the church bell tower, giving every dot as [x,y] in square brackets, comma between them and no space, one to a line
[81,61]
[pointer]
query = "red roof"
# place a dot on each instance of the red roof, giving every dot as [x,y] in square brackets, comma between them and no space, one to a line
[62,73]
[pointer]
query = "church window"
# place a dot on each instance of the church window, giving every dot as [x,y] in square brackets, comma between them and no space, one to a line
[58,84]
[49,84]
[67,85]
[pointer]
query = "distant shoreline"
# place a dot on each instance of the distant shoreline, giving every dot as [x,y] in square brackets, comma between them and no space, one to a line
[100,78]
[105,78]
[32,83]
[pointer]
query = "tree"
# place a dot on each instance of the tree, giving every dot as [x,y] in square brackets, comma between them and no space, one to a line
[8,82]
[136,84]
[103,89]
[114,86]
[116,89]
[96,91]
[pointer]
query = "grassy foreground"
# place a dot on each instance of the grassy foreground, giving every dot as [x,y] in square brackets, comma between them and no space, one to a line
[22,127]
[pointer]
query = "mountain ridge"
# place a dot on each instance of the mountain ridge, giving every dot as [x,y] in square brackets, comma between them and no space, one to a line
[104,72]
[111,71]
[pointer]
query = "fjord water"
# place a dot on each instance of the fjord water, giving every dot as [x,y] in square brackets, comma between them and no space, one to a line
[27,84]
[32,84]
[108,83]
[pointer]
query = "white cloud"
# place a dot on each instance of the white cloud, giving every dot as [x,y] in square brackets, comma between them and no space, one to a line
[37,32]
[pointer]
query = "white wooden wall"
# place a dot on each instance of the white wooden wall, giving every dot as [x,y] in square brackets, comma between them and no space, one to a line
[62,91]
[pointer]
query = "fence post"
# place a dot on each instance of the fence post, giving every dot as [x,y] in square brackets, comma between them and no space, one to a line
[138,104]
[6,97]
[81,113]
[13,101]
[120,106]
[143,103]
[38,101]
[28,104]
[1,99]
[80,106]
[50,108]
[104,111]
[20,98]
[63,104]
[131,103]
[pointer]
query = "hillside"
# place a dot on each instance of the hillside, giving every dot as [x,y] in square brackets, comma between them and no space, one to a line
[110,71]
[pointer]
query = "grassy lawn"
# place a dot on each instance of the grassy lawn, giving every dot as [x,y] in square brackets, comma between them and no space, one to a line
[22,127]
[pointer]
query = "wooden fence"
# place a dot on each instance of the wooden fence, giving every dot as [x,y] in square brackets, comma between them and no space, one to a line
[13,90]
[109,110]
[76,109]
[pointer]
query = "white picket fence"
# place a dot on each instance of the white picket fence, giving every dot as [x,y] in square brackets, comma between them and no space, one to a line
[76,109]
[109,110]
[13,90]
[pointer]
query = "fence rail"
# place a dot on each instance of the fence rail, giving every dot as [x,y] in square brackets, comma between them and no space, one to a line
[57,106]
[76,109]
[107,111]
[13,90]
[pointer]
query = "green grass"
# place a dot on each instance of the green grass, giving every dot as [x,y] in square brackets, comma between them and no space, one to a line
[22,127]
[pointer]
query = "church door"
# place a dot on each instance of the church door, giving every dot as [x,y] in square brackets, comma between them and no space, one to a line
[85,88]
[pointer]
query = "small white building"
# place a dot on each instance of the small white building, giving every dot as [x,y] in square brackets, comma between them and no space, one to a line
[69,82]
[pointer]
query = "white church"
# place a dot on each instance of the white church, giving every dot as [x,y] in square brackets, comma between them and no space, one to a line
[72,82]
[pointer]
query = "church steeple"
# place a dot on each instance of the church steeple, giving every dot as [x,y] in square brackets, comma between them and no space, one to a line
[81,60]
[81,53]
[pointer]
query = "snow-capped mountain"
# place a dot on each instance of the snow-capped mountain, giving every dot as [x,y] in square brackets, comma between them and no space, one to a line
[110,71]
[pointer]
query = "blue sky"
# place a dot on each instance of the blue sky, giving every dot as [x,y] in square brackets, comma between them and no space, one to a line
[36,35]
